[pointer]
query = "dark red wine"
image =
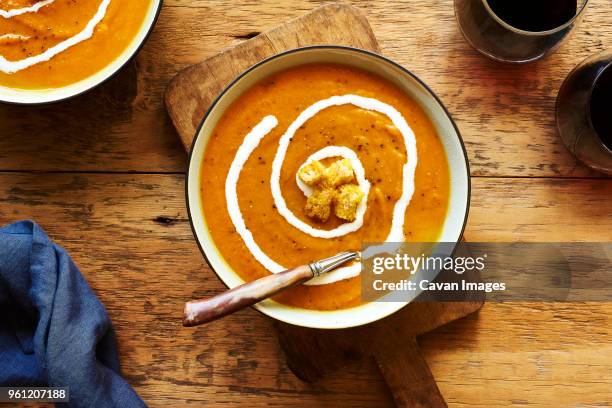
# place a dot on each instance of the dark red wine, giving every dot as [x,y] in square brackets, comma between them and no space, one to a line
[584,112]
[534,15]
[601,107]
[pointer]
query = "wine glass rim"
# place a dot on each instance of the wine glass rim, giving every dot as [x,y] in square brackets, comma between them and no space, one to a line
[534,33]
[588,105]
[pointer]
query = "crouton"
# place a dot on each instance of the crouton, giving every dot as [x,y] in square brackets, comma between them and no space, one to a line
[312,173]
[333,186]
[319,203]
[346,199]
[337,173]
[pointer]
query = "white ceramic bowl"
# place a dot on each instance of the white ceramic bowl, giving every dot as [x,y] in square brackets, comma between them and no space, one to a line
[448,132]
[42,96]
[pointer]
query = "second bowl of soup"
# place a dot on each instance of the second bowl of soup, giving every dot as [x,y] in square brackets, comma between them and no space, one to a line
[55,49]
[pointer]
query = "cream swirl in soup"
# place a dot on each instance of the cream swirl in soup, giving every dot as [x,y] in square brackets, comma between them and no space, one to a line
[253,138]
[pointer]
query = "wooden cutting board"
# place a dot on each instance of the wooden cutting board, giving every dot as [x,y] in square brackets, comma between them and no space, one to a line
[313,353]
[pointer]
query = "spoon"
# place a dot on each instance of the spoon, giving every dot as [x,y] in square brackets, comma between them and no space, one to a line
[206,310]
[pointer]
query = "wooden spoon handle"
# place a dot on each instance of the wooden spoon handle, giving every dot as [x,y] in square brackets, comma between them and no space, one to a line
[206,310]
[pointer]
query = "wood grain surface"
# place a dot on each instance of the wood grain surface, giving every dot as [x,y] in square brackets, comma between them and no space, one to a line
[68,167]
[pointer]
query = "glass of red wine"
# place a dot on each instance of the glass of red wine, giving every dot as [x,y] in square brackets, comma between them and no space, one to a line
[584,112]
[518,31]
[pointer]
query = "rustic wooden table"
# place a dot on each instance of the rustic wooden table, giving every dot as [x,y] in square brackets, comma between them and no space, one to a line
[104,174]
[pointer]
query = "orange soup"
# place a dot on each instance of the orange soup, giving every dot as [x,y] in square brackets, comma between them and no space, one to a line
[376,142]
[54,43]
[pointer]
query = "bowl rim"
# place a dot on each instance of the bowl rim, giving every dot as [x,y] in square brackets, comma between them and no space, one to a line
[95,85]
[246,72]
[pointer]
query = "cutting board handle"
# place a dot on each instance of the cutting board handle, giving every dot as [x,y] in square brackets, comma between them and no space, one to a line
[407,374]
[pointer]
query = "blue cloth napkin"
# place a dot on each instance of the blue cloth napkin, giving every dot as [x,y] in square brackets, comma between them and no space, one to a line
[53,330]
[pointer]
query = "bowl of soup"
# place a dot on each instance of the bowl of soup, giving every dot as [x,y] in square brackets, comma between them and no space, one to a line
[316,151]
[52,50]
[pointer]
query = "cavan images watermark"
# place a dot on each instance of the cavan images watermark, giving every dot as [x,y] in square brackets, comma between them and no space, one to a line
[445,271]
